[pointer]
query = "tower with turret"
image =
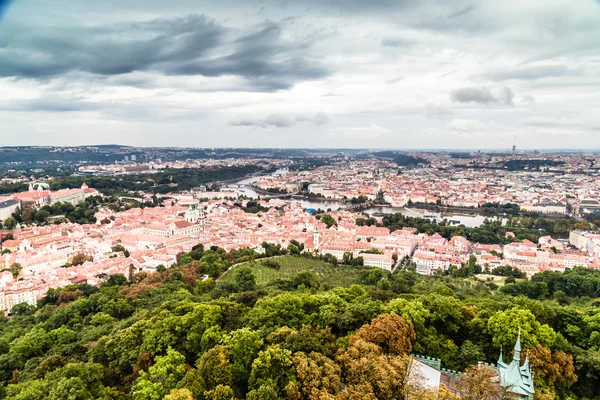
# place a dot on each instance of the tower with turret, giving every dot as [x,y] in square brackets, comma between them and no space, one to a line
[516,378]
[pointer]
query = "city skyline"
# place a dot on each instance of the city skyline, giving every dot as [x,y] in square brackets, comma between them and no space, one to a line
[276,74]
[519,151]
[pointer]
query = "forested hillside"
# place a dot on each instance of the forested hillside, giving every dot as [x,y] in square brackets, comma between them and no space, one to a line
[171,335]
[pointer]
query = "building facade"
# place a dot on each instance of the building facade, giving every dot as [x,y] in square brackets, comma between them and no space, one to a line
[7,208]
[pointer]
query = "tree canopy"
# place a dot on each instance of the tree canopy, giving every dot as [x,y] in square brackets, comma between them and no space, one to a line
[171,335]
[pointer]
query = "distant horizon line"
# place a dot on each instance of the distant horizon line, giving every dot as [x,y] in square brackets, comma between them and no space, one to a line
[370,149]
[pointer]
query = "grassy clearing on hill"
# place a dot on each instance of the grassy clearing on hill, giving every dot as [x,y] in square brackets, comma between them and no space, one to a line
[329,275]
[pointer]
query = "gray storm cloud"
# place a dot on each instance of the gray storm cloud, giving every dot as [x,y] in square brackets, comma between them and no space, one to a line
[483,95]
[192,45]
[280,120]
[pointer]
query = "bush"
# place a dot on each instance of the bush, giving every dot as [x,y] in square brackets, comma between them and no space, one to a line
[271,264]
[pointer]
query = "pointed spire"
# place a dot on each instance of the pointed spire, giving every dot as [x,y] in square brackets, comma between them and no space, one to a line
[526,363]
[517,352]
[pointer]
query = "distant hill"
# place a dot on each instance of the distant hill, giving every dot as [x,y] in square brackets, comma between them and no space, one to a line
[517,165]
[403,160]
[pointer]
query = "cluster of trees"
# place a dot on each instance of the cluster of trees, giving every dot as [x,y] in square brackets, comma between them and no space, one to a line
[359,200]
[120,249]
[495,209]
[471,268]
[518,165]
[366,221]
[8,188]
[164,181]
[254,207]
[403,160]
[549,225]
[82,213]
[349,259]
[505,270]
[173,335]
[491,231]
[327,220]
[577,282]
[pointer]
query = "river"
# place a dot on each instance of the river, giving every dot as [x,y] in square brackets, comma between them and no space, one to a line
[469,220]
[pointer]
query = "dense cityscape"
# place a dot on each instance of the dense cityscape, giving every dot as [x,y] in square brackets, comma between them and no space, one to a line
[42,243]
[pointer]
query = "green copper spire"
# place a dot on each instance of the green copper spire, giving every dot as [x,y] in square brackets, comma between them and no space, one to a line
[517,352]
[525,365]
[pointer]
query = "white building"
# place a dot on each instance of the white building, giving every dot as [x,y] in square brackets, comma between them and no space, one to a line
[7,208]
[383,261]
[10,298]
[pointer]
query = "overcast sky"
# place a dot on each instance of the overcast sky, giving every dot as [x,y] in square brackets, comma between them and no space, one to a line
[332,73]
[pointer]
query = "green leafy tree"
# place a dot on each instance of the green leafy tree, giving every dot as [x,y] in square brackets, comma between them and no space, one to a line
[504,327]
[116,280]
[9,223]
[161,378]
[35,389]
[23,309]
[243,346]
[470,354]
[179,394]
[220,393]
[328,220]
[41,216]
[306,278]
[293,249]
[412,311]
[273,367]
[244,279]
[266,391]
[214,368]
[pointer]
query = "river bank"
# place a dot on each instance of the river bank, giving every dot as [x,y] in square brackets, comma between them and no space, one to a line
[469,217]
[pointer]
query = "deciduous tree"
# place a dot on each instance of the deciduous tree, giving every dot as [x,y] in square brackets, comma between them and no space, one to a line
[391,332]
[244,279]
[161,378]
[273,367]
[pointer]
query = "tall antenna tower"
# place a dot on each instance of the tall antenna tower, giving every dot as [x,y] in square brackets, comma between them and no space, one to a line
[514,148]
